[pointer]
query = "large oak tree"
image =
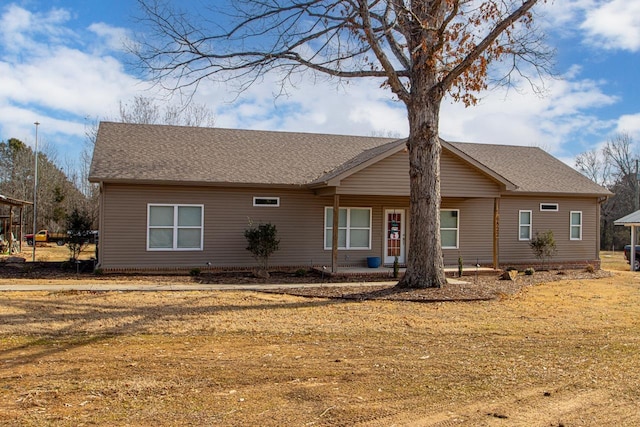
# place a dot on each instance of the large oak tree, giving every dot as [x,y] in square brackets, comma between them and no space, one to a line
[421,50]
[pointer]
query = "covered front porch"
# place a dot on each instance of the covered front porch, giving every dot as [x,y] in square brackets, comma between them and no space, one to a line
[469,231]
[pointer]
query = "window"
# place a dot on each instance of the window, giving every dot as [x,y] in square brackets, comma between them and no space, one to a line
[549,207]
[174,227]
[273,202]
[524,225]
[354,228]
[576,225]
[449,228]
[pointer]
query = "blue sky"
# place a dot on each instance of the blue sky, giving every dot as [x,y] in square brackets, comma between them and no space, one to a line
[62,64]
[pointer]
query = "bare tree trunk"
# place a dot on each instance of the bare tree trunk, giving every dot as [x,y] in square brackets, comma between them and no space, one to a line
[425,267]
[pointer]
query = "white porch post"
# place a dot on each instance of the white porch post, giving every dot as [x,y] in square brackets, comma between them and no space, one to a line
[334,236]
[632,249]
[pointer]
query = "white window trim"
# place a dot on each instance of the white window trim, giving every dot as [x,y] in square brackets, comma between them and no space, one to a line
[347,228]
[258,205]
[175,227]
[556,207]
[572,225]
[457,229]
[520,224]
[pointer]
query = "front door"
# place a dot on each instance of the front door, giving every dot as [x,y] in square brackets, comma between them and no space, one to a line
[394,236]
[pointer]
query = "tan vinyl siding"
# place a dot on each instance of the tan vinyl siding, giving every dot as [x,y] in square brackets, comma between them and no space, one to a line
[299,220]
[300,223]
[390,176]
[475,227]
[513,250]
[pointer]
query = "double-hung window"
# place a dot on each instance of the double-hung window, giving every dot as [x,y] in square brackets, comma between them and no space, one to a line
[449,228]
[524,225]
[354,228]
[174,227]
[576,225]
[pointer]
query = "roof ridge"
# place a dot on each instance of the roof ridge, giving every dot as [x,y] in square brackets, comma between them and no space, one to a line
[283,132]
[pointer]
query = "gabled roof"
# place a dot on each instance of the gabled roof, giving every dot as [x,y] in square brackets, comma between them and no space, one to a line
[136,153]
[158,153]
[531,169]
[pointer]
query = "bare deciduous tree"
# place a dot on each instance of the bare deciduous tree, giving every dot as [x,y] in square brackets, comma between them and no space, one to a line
[421,51]
[143,110]
[614,166]
[594,166]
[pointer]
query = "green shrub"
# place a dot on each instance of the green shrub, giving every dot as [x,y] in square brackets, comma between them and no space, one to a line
[529,271]
[301,272]
[98,272]
[543,246]
[263,242]
[194,272]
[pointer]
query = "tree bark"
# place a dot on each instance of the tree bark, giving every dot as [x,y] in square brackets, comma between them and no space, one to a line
[425,267]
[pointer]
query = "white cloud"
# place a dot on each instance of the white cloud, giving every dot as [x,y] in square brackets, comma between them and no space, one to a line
[114,37]
[19,27]
[630,123]
[614,25]
[551,122]
[47,75]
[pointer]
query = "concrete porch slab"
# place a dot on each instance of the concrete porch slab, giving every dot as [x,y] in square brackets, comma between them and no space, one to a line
[383,271]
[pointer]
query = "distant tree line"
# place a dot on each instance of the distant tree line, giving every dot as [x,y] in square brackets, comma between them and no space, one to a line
[614,166]
[61,192]
[57,194]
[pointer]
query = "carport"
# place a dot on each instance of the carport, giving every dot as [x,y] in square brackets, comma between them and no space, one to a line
[8,221]
[632,220]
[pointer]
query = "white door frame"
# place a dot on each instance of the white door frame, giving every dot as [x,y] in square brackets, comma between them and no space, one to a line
[395,237]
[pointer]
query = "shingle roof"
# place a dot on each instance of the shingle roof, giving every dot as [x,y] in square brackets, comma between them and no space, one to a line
[176,154]
[531,169]
[132,152]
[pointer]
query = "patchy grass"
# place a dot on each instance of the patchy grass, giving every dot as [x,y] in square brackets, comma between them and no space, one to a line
[561,353]
[50,252]
[614,261]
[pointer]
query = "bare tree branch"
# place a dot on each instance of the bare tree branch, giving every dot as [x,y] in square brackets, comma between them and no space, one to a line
[420,50]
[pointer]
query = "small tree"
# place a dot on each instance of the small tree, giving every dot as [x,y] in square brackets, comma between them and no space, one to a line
[543,246]
[263,242]
[79,232]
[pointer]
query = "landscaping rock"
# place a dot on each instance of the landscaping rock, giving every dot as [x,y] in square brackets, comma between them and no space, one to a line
[510,275]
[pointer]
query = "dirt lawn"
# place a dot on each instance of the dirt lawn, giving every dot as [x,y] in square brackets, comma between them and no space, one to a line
[561,353]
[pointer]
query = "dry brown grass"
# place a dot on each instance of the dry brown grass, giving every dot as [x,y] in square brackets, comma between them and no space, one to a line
[562,353]
[50,252]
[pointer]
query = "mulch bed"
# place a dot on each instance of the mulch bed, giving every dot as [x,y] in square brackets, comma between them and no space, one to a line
[467,288]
